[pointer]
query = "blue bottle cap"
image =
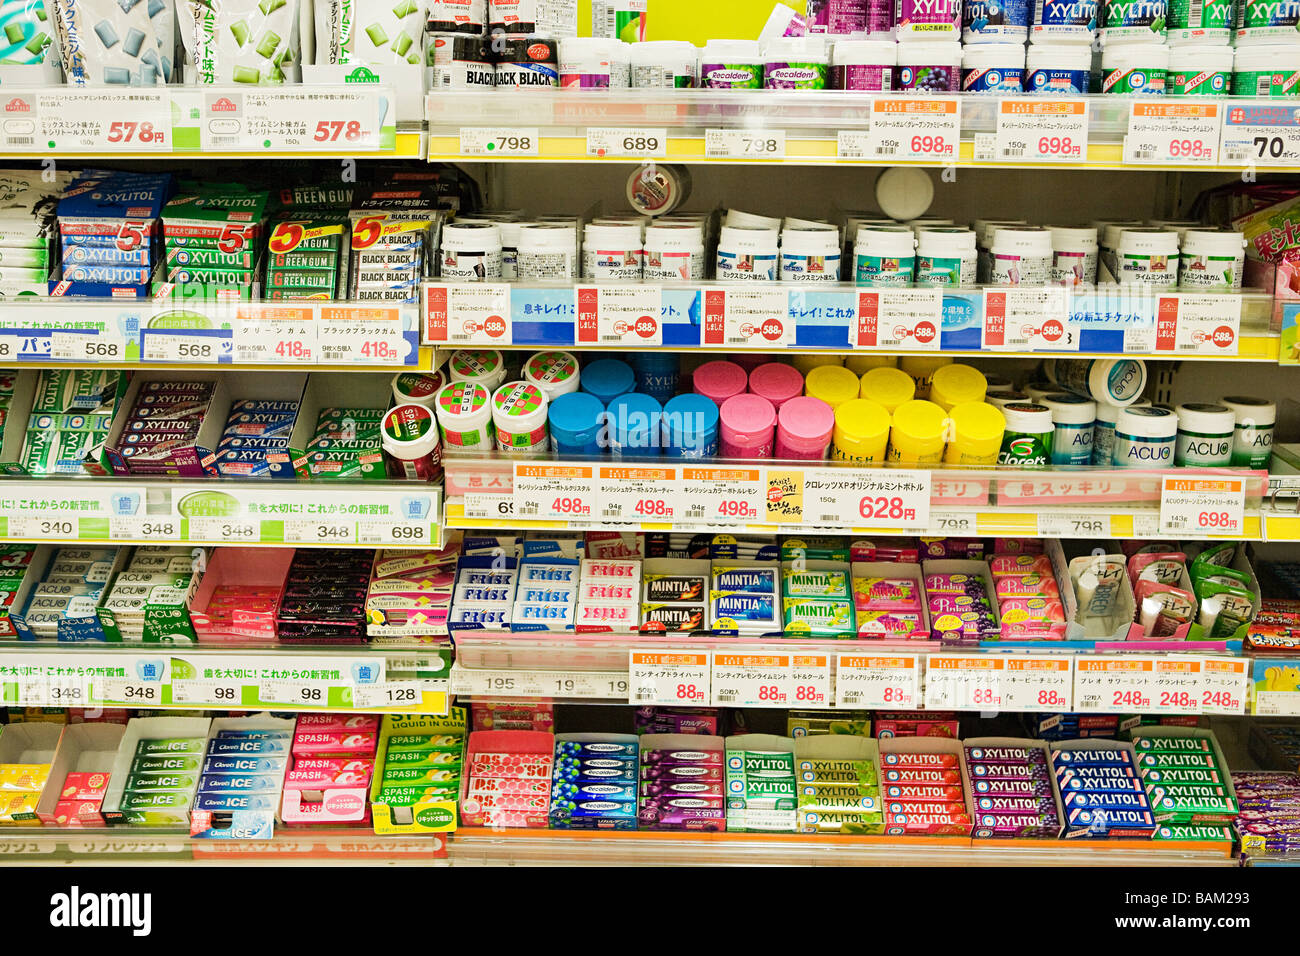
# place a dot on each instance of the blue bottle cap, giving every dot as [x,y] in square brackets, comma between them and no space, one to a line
[634,420]
[607,379]
[575,419]
[688,417]
[656,361]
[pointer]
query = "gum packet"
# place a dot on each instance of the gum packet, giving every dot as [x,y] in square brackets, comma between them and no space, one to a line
[241,41]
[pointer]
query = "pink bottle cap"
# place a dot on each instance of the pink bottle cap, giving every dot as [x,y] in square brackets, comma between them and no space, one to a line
[719,381]
[776,382]
[745,424]
[803,429]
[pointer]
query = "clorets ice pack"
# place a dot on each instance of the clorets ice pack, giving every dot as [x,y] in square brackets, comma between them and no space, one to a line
[116,42]
[240,41]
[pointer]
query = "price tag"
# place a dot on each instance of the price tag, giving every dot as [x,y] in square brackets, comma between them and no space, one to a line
[639,493]
[40,526]
[723,495]
[1225,685]
[884,681]
[554,492]
[315,531]
[276,337]
[1202,505]
[955,682]
[1173,134]
[1148,685]
[483,505]
[894,319]
[751,680]
[86,345]
[748,318]
[628,315]
[744,144]
[1037,683]
[810,680]
[224,530]
[474,313]
[293,692]
[208,693]
[956,523]
[185,348]
[598,685]
[1260,135]
[133,692]
[358,335]
[634,143]
[1073,526]
[1198,324]
[398,694]
[853,144]
[922,128]
[854,498]
[668,677]
[282,118]
[394,532]
[143,528]
[499,141]
[67,690]
[101,121]
[1035,130]
[1029,319]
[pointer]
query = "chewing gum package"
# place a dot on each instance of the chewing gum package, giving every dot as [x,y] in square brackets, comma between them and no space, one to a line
[115,42]
[241,41]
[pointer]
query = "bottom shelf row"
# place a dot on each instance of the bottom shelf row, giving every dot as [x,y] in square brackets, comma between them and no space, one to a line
[235,779]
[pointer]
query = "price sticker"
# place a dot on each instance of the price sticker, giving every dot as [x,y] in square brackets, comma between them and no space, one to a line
[1073,526]
[956,523]
[1037,683]
[851,144]
[554,492]
[629,142]
[358,335]
[854,498]
[67,690]
[101,121]
[923,128]
[275,337]
[224,530]
[401,695]
[744,144]
[38,526]
[1115,685]
[293,692]
[325,120]
[127,690]
[1172,134]
[1035,130]
[499,141]
[1202,505]
[313,531]
[649,494]
[1225,685]
[723,495]
[1029,319]
[956,682]
[884,681]
[483,505]
[810,680]
[208,693]
[1260,135]
[1201,325]
[144,528]
[668,677]
[894,319]
[630,315]
[394,532]
[586,685]
[86,345]
[751,680]
[185,348]
[748,318]
[473,313]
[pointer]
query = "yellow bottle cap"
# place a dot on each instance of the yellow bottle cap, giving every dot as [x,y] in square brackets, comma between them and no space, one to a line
[919,420]
[922,366]
[833,384]
[956,385]
[976,434]
[862,420]
[862,364]
[890,387]
[807,362]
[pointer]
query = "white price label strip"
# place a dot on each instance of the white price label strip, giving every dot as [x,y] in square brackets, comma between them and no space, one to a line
[669,677]
[1198,324]
[468,314]
[1037,683]
[1148,685]
[1069,526]
[308,531]
[184,348]
[97,120]
[892,319]
[288,338]
[1202,505]
[631,142]
[293,692]
[499,142]
[554,492]
[956,682]
[393,531]
[207,692]
[1039,130]
[1261,135]
[744,144]
[640,493]
[597,685]
[86,345]
[1225,685]
[1029,319]
[224,530]
[751,680]
[884,681]
[136,528]
[724,495]
[359,335]
[957,523]
[751,319]
[924,128]
[391,694]
[851,498]
[1173,133]
[629,316]
[130,691]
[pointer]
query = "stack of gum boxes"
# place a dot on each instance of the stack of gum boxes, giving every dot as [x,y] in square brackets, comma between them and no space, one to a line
[20,787]
[211,234]
[27,230]
[745,599]
[412,589]
[609,595]
[683,783]
[158,576]
[109,226]
[308,244]
[1012,790]
[324,599]
[1184,778]
[256,441]
[760,783]
[395,227]
[817,601]
[924,794]
[72,412]
[333,763]
[14,562]
[162,780]
[594,785]
[158,435]
[347,445]
[1101,791]
[420,767]
[508,787]
[71,587]
[839,793]
[243,771]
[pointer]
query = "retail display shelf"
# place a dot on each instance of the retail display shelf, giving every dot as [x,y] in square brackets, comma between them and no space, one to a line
[131,510]
[769,497]
[779,317]
[181,332]
[854,128]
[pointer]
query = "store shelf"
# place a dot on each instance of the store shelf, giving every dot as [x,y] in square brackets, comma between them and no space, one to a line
[130,846]
[811,128]
[778,317]
[215,511]
[631,494]
[180,332]
[235,675]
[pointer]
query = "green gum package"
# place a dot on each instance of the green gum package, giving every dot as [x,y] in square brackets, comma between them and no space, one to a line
[251,42]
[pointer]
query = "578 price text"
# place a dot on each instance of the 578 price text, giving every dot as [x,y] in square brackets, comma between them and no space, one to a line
[330,131]
[128,132]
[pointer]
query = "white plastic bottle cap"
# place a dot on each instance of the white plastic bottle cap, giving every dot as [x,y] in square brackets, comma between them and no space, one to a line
[1070,409]
[409,432]
[1135,56]
[749,220]
[464,412]
[800,243]
[1146,421]
[1214,242]
[929,53]
[1148,240]
[1022,241]
[1038,390]
[1268,58]
[983,56]
[1206,418]
[1058,56]
[662,60]
[602,236]
[674,252]
[1202,58]
[519,414]
[555,373]
[864,53]
[739,51]
[904,192]
[470,235]
[1109,414]
[1073,238]
[1028,417]
[945,242]
[805,49]
[471,251]
[419,388]
[761,240]
[1108,230]
[790,222]
[919,226]
[548,239]
[984,229]
[1003,399]
[510,232]
[1260,411]
[487,367]
[889,241]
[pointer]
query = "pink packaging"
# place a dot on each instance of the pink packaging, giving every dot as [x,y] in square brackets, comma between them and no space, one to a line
[334,743]
[312,773]
[1168,568]
[746,427]
[1019,564]
[886,594]
[479,801]
[607,591]
[512,765]
[891,624]
[1017,545]
[600,617]
[927,19]
[327,723]
[955,582]
[719,381]
[1026,585]
[803,429]
[508,785]
[1032,609]
[776,382]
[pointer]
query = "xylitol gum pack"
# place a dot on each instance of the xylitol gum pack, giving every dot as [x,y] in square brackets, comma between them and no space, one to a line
[72,410]
[211,234]
[115,42]
[109,224]
[241,41]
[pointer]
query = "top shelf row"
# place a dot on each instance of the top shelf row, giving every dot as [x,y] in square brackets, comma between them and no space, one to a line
[362,118]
